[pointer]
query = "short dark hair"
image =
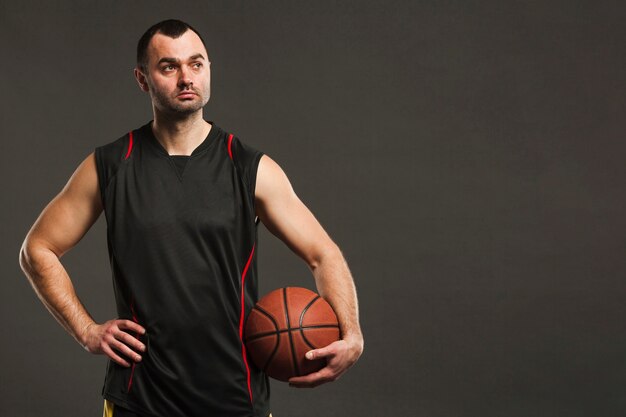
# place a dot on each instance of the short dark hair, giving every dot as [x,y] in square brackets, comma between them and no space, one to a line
[171,27]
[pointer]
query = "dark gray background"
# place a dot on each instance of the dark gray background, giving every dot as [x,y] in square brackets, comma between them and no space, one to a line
[467,156]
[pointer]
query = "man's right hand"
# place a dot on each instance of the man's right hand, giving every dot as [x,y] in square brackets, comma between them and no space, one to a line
[111,338]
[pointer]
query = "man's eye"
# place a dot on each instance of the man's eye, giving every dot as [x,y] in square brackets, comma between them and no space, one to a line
[198,64]
[168,68]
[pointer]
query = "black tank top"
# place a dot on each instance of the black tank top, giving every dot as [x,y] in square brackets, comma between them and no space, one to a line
[182,234]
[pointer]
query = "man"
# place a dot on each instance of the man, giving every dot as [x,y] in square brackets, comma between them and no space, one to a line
[182,200]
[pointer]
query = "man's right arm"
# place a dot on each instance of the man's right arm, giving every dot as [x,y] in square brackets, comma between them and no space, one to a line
[60,226]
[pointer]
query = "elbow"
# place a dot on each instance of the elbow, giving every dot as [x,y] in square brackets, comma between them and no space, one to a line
[26,258]
[34,259]
[322,254]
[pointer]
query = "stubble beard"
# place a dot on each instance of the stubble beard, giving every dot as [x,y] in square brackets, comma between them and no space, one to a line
[176,107]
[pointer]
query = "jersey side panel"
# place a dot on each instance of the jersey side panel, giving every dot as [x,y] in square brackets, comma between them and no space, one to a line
[246,159]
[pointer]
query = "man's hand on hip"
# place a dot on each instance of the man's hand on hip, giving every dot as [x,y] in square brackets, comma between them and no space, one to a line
[111,338]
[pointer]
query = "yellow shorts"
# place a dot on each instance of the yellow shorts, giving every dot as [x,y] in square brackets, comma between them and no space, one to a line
[109,407]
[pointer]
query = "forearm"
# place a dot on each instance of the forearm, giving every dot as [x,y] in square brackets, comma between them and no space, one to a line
[54,288]
[335,283]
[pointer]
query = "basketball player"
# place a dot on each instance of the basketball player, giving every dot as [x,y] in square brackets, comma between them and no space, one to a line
[182,199]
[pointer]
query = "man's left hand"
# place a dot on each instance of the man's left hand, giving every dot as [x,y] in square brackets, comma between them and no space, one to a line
[340,356]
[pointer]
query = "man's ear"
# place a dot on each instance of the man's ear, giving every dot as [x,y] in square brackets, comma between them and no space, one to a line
[141,79]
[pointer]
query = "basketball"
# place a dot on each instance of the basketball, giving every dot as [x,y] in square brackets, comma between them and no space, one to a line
[284,325]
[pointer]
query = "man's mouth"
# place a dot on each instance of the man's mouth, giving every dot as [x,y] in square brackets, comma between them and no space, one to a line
[186,94]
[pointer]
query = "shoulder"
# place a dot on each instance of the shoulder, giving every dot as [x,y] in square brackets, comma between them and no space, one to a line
[113,153]
[245,157]
[109,157]
[114,149]
[242,150]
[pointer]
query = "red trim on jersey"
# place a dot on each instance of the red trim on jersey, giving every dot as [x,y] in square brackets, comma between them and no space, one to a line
[130,144]
[230,140]
[132,309]
[243,346]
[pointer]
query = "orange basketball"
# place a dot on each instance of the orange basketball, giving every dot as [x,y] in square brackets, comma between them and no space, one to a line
[284,325]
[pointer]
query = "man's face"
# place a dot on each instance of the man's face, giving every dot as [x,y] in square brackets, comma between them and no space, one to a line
[177,74]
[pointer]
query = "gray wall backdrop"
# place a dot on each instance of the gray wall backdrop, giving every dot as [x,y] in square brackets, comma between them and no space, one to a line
[467,156]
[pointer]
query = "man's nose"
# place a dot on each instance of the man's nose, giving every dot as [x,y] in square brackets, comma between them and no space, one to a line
[185,77]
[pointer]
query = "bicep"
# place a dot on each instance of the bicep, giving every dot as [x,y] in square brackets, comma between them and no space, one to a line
[286,216]
[70,214]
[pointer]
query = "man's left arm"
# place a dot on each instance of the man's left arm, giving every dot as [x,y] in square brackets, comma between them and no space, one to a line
[285,216]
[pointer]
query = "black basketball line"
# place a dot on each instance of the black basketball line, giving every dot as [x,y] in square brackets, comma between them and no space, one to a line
[277,332]
[269,359]
[293,352]
[304,310]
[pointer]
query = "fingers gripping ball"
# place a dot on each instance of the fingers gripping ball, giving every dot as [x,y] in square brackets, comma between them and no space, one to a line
[284,325]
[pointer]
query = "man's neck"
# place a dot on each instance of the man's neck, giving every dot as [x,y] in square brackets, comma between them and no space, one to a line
[180,136]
